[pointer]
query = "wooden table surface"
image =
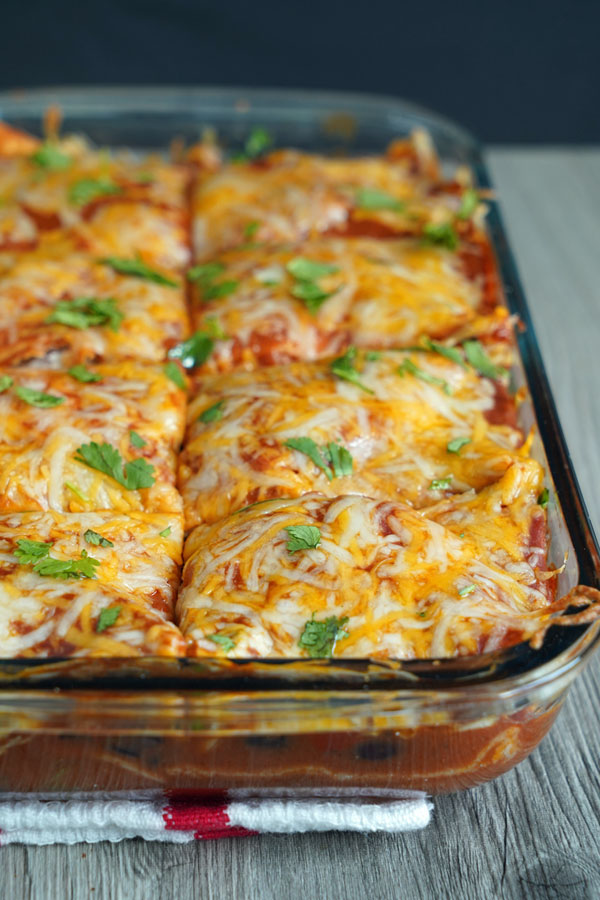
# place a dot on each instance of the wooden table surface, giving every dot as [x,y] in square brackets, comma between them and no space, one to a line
[536,831]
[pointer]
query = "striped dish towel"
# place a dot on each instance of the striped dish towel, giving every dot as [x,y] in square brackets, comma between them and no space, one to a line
[181,817]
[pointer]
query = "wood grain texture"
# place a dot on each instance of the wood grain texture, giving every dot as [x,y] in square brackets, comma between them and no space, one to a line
[535,833]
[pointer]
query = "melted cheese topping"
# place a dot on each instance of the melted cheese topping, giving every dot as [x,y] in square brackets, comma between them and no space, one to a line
[37,446]
[410,586]
[382,294]
[423,551]
[294,195]
[155,192]
[398,435]
[45,616]
[154,316]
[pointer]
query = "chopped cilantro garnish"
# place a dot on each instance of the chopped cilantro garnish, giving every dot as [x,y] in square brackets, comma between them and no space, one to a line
[49,157]
[206,272]
[409,368]
[308,447]
[442,234]
[441,484]
[92,537]
[223,640]
[83,374]
[5,382]
[311,294]
[333,459]
[468,204]
[85,190]
[213,414]
[220,289]
[309,269]
[543,498]
[135,474]
[372,355]
[36,553]
[75,490]
[250,229]
[38,398]
[468,589]
[339,459]
[194,351]
[87,312]
[28,552]
[136,268]
[174,373]
[319,638]
[107,618]
[457,444]
[344,368]
[205,276]
[165,532]
[451,353]
[374,199]
[302,537]
[479,359]
[214,329]
[258,142]
[136,439]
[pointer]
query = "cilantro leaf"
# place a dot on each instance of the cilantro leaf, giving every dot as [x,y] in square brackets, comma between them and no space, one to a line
[339,458]
[480,361]
[311,294]
[49,157]
[194,351]
[85,190]
[344,368]
[457,444]
[87,312]
[223,640]
[451,353]
[374,199]
[441,484]
[213,414]
[220,289]
[302,537]
[319,638]
[250,229]
[372,355]
[38,398]
[468,204]
[258,142]
[409,368]
[84,567]
[107,617]
[137,440]
[467,589]
[308,447]
[92,537]
[83,374]
[137,473]
[5,382]
[305,269]
[174,373]
[165,532]
[441,234]
[205,276]
[31,551]
[543,498]
[206,272]
[77,492]
[136,268]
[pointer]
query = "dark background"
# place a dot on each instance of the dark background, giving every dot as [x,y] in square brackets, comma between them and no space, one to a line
[510,71]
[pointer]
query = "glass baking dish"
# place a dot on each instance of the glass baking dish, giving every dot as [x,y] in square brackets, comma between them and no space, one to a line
[291,726]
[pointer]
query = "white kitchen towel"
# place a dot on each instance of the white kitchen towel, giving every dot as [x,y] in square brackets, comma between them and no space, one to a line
[182,817]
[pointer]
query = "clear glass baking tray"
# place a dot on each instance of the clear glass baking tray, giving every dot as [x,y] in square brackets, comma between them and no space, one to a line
[275,725]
